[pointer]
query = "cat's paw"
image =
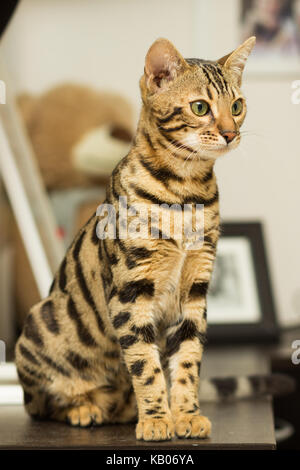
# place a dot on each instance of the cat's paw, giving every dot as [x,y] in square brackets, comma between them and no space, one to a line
[192,426]
[84,415]
[155,429]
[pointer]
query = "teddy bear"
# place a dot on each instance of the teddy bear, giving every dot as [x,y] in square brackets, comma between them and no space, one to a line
[78,136]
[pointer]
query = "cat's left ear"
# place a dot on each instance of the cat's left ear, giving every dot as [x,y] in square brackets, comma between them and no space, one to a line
[163,64]
[236,60]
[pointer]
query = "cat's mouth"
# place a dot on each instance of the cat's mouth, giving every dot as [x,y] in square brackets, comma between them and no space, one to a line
[206,147]
[217,148]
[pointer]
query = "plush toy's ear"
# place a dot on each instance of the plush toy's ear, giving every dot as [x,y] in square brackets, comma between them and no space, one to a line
[236,60]
[163,64]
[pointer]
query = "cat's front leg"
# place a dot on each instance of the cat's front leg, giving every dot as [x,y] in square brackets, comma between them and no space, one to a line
[184,348]
[132,319]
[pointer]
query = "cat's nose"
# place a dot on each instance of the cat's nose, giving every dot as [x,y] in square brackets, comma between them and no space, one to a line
[228,136]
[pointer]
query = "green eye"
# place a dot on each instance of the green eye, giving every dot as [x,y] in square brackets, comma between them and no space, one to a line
[200,108]
[237,107]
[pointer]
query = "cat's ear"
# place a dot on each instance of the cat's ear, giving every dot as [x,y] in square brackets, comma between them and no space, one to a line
[236,60]
[163,64]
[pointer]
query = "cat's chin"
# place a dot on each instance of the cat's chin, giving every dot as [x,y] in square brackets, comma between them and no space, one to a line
[213,153]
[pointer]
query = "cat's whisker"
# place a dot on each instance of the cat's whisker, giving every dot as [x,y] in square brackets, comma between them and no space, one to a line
[189,156]
[242,152]
[251,133]
[181,147]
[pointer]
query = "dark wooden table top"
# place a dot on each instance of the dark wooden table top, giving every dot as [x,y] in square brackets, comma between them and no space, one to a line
[244,424]
[235,426]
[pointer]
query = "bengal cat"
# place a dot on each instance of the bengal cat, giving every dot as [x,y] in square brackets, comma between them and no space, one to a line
[126,316]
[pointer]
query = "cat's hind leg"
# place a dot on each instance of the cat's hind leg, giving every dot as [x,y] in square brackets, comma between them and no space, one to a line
[56,371]
[77,410]
[81,413]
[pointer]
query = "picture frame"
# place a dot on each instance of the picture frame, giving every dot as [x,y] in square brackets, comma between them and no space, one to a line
[276,25]
[240,304]
[277,52]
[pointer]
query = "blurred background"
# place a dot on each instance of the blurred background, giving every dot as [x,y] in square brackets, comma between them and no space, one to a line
[71,70]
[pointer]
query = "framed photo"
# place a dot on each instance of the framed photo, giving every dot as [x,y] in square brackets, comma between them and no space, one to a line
[276,25]
[240,304]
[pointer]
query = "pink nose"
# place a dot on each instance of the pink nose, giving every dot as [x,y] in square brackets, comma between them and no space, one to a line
[228,136]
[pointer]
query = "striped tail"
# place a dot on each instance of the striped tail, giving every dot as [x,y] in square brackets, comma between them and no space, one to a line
[235,388]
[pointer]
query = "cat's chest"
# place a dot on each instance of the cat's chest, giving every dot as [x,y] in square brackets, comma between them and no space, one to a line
[182,268]
[170,287]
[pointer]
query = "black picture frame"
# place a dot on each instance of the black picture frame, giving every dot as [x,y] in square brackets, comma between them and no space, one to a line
[267,328]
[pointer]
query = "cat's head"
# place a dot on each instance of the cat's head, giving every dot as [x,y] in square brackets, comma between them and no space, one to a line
[195,105]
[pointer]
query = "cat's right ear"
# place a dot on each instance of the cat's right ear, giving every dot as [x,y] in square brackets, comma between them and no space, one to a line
[163,64]
[236,60]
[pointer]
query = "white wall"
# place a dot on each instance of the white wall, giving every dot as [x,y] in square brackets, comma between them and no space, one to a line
[103,43]
[99,42]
